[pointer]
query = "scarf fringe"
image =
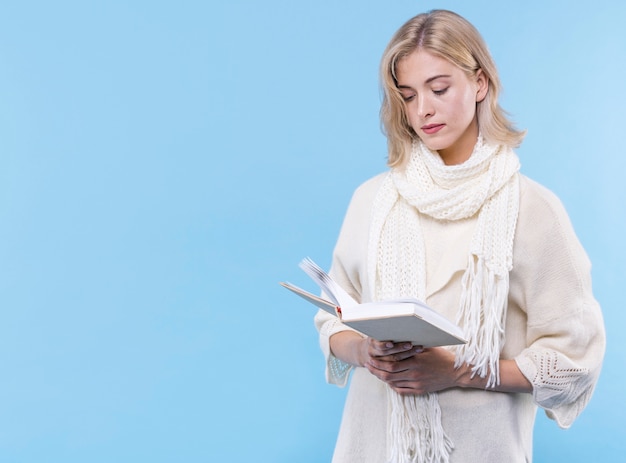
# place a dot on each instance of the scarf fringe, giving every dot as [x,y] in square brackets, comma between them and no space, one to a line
[482,287]
[416,441]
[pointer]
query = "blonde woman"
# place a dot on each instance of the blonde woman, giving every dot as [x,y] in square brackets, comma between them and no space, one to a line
[454,223]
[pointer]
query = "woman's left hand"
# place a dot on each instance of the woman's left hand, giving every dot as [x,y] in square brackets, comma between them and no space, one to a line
[428,370]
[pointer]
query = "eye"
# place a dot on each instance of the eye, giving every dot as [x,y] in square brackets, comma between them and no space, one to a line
[440,92]
[407,98]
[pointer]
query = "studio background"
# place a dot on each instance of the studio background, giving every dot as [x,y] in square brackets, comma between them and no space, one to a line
[165,164]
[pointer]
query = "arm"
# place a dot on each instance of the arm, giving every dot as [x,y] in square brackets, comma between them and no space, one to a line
[348,270]
[419,371]
[412,370]
[511,379]
[564,337]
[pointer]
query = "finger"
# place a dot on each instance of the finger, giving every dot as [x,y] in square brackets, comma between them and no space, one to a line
[393,378]
[402,355]
[398,357]
[408,389]
[387,366]
[383,348]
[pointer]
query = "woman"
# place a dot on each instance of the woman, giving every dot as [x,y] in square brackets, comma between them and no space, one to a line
[454,223]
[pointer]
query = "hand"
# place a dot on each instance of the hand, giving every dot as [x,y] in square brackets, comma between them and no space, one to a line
[370,349]
[415,370]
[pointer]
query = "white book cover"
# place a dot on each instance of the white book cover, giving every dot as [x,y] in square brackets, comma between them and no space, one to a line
[396,320]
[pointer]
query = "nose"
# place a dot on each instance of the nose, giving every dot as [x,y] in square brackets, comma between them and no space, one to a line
[424,106]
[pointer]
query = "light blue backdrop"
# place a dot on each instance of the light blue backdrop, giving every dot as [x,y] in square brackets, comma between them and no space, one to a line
[165,164]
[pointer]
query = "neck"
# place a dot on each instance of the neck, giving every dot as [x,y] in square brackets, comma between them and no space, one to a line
[462,149]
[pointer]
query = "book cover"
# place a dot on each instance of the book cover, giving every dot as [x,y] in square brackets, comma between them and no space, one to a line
[397,320]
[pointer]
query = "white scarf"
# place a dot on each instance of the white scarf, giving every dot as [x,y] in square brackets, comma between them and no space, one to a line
[487,184]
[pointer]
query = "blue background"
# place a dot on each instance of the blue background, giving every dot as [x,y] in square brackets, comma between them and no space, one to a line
[165,164]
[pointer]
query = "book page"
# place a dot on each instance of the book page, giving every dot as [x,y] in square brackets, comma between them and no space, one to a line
[334,291]
[313,299]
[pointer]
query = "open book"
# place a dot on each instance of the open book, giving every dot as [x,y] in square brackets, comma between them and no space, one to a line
[396,320]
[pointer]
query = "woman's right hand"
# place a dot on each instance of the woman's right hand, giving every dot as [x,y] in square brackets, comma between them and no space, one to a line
[386,350]
[357,350]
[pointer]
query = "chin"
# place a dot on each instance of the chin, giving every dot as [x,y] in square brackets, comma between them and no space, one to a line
[435,143]
[434,146]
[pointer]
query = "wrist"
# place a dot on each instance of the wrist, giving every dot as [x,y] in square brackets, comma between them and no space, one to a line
[361,349]
[511,379]
[349,347]
[467,379]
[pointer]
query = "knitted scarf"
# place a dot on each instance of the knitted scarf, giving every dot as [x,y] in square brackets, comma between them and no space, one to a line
[486,184]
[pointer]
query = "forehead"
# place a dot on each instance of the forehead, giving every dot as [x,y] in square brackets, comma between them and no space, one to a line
[421,66]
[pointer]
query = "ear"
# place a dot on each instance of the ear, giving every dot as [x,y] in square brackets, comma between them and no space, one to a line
[482,86]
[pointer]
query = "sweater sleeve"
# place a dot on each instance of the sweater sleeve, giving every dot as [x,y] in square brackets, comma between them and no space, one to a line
[337,371]
[565,335]
[347,270]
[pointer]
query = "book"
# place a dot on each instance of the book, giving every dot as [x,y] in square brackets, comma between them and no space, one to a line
[400,320]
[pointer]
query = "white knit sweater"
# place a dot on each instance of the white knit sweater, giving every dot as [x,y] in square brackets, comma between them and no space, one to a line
[554,331]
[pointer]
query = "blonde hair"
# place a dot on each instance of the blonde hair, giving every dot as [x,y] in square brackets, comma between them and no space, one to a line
[450,36]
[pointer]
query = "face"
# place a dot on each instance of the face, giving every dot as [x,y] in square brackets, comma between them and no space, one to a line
[441,103]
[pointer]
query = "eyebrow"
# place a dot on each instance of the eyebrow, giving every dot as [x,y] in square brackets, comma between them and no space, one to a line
[428,81]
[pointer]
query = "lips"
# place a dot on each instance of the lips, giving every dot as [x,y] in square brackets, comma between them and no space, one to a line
[432,128]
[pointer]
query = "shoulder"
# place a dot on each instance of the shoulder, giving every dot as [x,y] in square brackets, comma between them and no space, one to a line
[358,215]
[531,190]
[539,204]
[369,187]
[544,226]
[364,195]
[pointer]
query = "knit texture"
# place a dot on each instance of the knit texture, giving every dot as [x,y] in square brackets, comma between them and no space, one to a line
[486,184]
